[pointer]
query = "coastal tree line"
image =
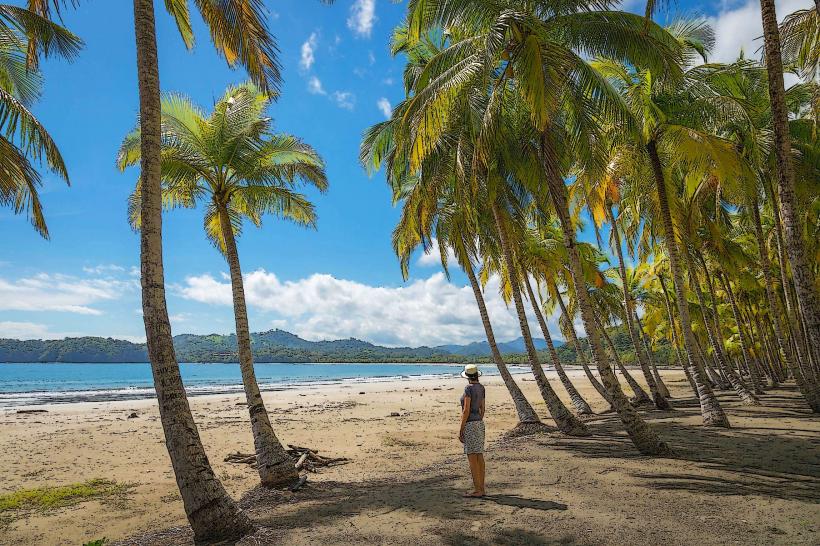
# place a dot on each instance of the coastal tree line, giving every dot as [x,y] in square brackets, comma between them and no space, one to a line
[275,346]
[518,117]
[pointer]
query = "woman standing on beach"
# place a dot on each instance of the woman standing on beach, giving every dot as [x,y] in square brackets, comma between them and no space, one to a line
[471,433]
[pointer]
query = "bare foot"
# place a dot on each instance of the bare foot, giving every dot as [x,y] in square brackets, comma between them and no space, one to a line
[474,495]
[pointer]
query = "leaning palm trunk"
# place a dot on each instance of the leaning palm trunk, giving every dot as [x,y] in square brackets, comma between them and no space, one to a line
[581,405]
[211,513]
[675,338]
[648,349]
[639,395]
[643,436]
[526,414]
[711,411]
[794,324]
[807,298]
[579,352]
[657,396]
[275,466]
[811,396]
[744,341]
[715,341]
[564,419]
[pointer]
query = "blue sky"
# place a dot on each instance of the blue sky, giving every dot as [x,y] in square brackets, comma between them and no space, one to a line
[339,281]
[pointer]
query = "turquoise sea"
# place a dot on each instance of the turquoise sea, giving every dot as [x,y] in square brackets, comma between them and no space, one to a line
[33,384]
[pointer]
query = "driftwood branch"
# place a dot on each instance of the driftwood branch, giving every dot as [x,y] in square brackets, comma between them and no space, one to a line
[306,459]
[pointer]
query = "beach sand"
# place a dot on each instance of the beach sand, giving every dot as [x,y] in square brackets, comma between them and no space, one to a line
[757,483]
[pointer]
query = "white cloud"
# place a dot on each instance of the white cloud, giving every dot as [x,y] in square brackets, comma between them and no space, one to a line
[33,330]
[432,258]
[388,81]
[384,107]
[57,292]
[315,86]
[344,99]
[741,28]
[102,269]
[362,17]
[25,330]
[429,311]
[371,58]
[308,57]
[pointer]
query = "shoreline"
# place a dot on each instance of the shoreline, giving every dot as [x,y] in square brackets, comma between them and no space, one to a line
[17,400]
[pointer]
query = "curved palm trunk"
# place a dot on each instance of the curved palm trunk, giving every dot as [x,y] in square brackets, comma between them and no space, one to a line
[657,396]
[811,396]
[212,514]
[675,338]
[581,405]
[713,414]
[579,352]
[275,466]
[715,340]
[744,341]
[794,324]
[564,420]
[639,395]
[802,275]
[711,375]
[760,357]
[526,414]
[648,349]
[643,436]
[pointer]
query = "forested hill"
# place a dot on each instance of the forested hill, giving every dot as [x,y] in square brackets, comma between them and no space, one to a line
[274,346]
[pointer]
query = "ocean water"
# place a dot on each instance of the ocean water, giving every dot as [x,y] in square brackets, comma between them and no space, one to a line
[34,384]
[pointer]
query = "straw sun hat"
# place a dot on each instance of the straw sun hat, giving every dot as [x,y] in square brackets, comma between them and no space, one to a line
[471,369]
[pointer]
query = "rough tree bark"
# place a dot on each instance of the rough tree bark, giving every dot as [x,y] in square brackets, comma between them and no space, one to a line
[212,514]
[274,465]
[802,275]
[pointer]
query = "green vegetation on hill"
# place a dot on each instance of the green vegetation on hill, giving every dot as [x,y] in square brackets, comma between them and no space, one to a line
[273,346]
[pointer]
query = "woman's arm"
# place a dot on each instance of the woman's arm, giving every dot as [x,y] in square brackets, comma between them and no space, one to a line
[481,409]
[465,414]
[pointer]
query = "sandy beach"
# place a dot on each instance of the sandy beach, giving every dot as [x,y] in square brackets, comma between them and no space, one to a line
[757,483]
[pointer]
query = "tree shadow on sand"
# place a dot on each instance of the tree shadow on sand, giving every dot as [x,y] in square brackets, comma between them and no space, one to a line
[737,461]
[505,537]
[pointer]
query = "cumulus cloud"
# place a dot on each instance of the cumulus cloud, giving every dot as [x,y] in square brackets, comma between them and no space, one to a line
[362,17]
[308,57]
[344,99]
[429,311]
[740,27]
[432,258]
[384,106]
[315,86]
[57,292]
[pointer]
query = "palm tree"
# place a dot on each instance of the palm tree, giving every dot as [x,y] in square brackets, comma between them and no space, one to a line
[802,275]
[232,160]
[243,40]
[437,206]
[667,133]
[534,53]
[538,262]
[599,193]
[23,139]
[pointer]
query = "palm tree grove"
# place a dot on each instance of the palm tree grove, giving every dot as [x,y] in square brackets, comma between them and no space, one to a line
[583,309]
